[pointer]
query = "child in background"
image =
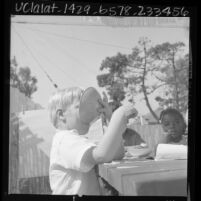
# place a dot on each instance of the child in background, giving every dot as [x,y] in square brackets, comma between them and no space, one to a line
[173,144]
[73,157]
[132,138]
[174,126]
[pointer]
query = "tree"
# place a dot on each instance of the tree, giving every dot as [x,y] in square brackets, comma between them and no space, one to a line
[27,84]
[128,73]
[174,73]
[144,71]
[144,62]
[114,80]
[22,79]
[14,81]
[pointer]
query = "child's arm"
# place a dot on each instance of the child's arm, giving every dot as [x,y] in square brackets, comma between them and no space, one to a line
[120,152]
[108,146]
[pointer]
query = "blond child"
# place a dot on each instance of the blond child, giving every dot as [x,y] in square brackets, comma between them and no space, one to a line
[73,157]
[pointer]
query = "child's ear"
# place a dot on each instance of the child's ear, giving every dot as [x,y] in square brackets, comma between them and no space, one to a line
[60,115]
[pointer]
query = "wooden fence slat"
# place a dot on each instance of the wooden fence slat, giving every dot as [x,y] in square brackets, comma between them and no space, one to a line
[13,153]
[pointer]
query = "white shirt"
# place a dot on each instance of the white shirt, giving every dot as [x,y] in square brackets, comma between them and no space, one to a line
[69,174]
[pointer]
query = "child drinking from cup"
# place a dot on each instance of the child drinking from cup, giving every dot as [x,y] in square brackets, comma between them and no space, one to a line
[73,157]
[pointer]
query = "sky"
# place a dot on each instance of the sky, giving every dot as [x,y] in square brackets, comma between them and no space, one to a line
[71,49]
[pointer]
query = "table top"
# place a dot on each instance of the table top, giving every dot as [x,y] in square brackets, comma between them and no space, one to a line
[146,177]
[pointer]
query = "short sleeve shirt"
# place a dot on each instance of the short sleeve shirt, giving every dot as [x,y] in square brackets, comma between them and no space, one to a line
[69,174]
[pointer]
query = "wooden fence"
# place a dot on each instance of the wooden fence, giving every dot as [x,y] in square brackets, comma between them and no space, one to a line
[17,182]
[13,154]
[29,155]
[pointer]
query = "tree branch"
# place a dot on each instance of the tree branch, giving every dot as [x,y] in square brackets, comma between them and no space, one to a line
[133,71]
[159,78]
[135,66]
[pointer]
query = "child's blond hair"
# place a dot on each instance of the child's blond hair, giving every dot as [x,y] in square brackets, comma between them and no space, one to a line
[61,100]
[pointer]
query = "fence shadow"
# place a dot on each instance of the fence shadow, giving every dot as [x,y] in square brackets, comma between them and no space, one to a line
[13,153]
[28,163]
[33,163]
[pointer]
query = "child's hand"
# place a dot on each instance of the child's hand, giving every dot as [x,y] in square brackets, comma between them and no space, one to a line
[105,108]
[129,111]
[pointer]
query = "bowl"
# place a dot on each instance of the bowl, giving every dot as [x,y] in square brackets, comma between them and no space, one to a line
[89,105]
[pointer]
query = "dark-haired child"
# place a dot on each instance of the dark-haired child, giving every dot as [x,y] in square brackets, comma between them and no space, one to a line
[174,126]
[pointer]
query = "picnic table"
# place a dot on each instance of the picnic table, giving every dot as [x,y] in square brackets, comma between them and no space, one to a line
[143,177]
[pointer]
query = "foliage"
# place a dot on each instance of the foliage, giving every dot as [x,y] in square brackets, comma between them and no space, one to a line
[22,79]
[114,81]
[13,73]
[174,71]
[147,70]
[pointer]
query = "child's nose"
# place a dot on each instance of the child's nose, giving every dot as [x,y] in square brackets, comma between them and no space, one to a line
[172,126]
